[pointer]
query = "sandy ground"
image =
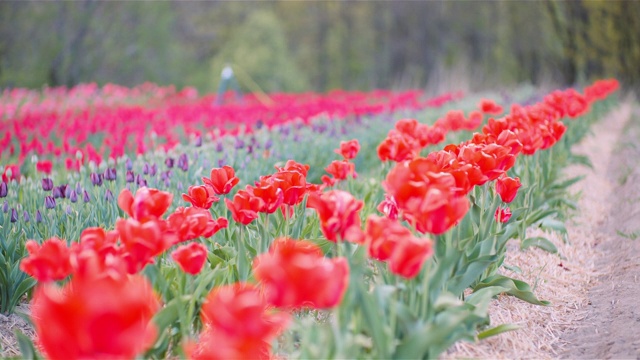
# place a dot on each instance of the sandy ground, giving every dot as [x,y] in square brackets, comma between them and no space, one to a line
[593,284]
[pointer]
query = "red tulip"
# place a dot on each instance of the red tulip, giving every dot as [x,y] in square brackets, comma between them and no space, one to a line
[238,323]
[47,262]
[147,205]
[507,188]
[490,107]
[339,215]
[221,180]
[387,240]
[190,258]
[272,196]
[44,166]
[142,242]
[427,196]
[389,207]
[95,318]
[292,183]
[348,149]
[11,172]
[200,196]
[292,165]
[502,214]
[295,274]
[244,207]
[341,169]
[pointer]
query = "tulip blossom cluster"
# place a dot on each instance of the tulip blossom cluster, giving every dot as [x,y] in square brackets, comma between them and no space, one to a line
[74,115]
[281,190]
[340,170]
[430,192]
[409,137]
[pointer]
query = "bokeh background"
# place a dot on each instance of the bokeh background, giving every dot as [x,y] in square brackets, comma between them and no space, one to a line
[321,45]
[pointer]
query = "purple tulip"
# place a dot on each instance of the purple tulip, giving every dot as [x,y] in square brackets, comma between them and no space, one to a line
[85,196]
[110,174]
[57,193]
[78,188]
[50,202]
[154,170]
[169,162]
[145,169]
[140,180]
[67,191]
[96,179]
[183,162]
[38,216]
[221,162]
[128,164]
[47,184]
[239,143]
[4,190]
[14,215]
[219,147]
[5,207]
[198,141]
[108,195]
[129,177]
[25,216]
[68,211]
[73,196]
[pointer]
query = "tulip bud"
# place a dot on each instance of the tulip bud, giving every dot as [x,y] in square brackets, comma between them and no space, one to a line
[129,177]
[47,184]
[73,196]
[96,179]
[183,162]
[49,202]
[4,190]
[108,195]
[128,165]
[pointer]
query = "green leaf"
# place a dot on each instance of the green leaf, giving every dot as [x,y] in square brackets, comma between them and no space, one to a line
[553,224]
[26,346]
[539,242]
[497,330]
[513,268]
[517,288]
[168,315]
[581,160]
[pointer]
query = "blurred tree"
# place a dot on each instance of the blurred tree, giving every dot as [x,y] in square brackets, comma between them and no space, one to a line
[259,56]
[322,45]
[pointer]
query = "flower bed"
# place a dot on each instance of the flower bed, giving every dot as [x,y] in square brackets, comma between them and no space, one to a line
[284,266]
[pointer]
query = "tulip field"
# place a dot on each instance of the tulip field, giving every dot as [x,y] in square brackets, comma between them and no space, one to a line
[154,223]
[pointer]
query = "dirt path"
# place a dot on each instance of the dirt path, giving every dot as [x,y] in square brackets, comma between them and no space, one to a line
[611,326]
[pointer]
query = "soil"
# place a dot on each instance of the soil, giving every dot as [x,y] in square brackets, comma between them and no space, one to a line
[611,327]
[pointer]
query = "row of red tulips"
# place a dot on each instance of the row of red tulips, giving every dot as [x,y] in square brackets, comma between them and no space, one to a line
[156,117]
